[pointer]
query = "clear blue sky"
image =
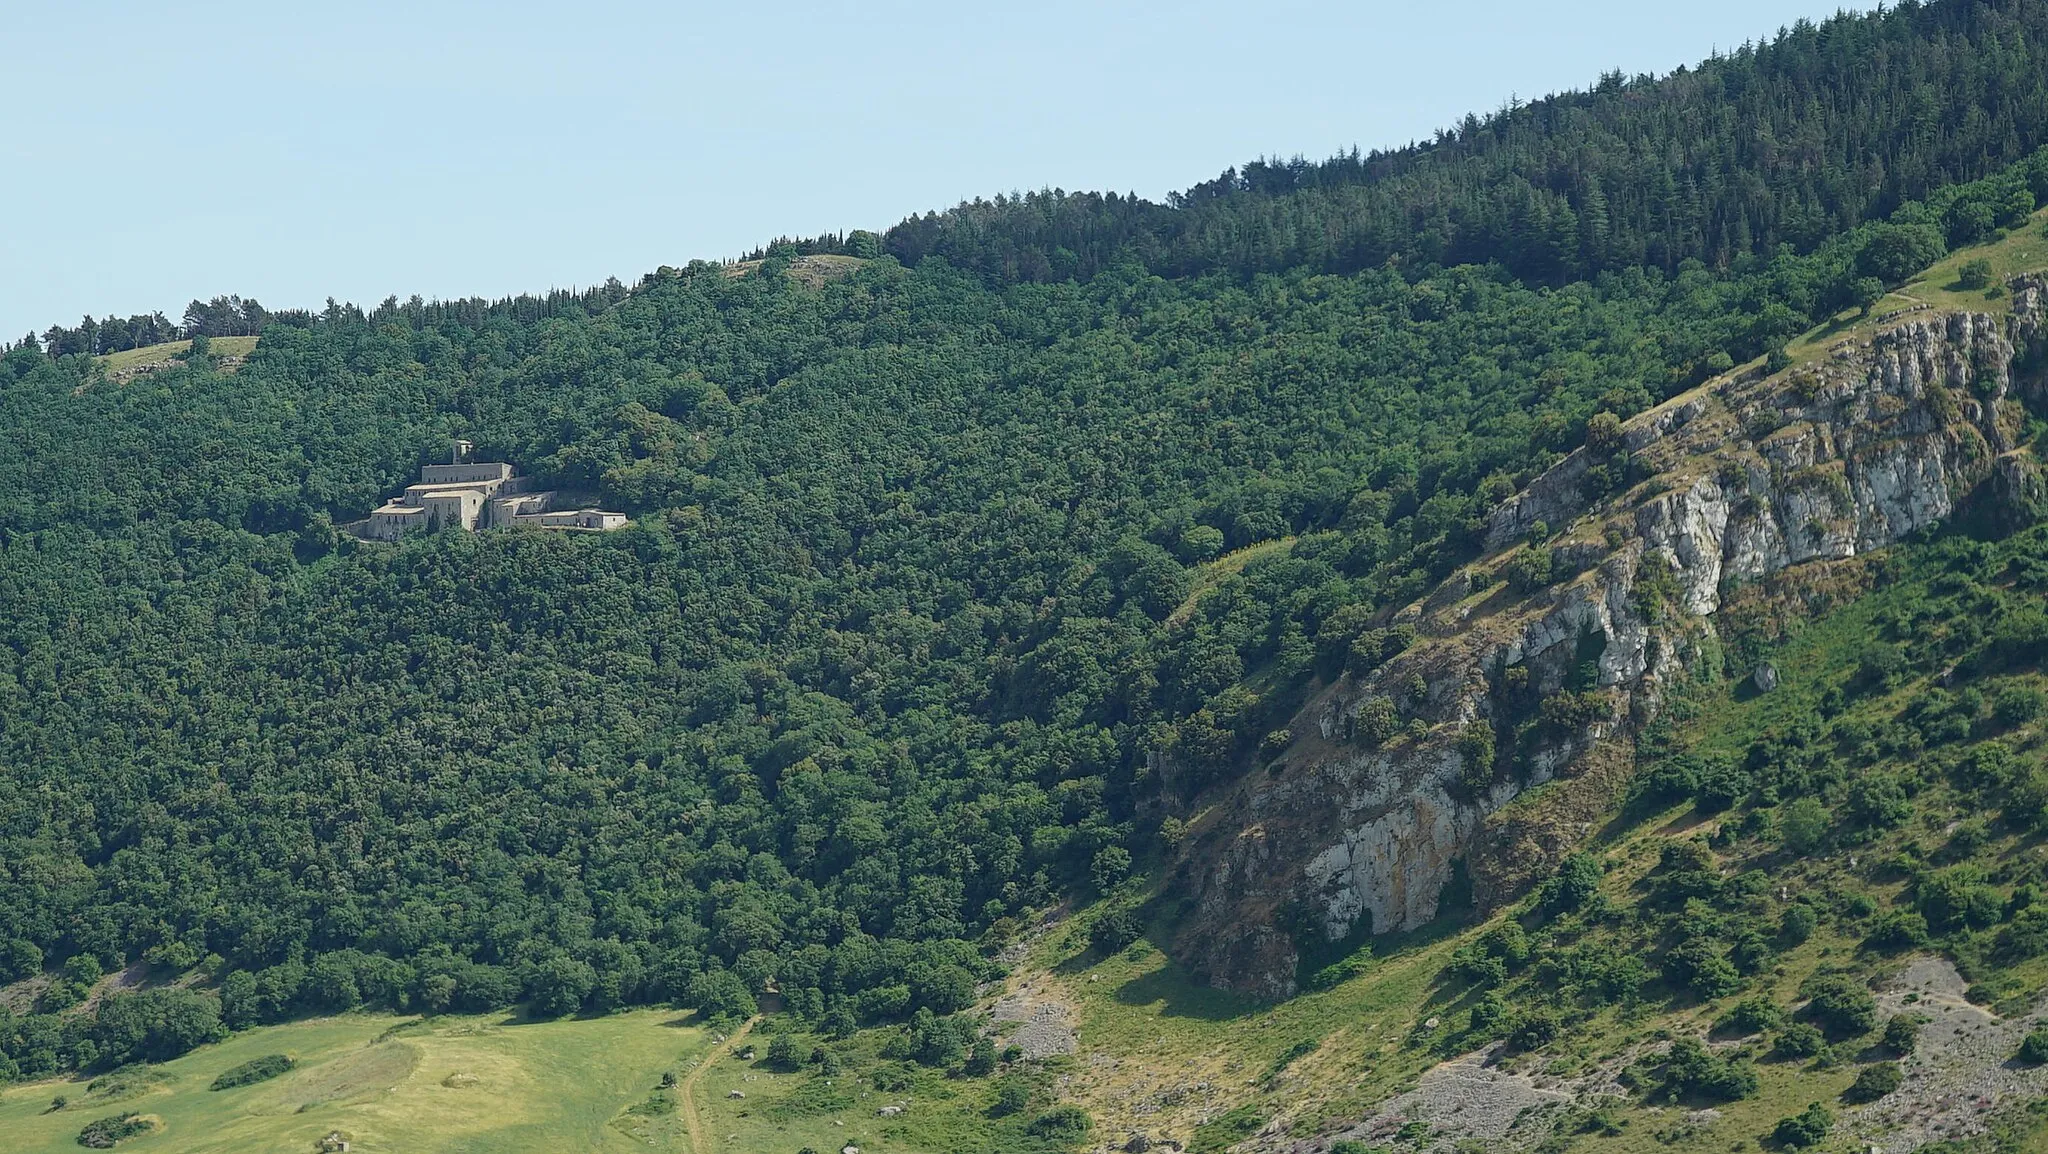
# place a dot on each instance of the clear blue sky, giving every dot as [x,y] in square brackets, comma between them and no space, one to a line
[153,153]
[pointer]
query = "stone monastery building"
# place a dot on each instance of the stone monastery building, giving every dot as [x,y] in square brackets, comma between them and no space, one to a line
[471,495]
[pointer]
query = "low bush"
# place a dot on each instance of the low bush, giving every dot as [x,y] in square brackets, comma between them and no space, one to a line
[1798,1040]
[1809,1127]
[1012,1096]
[1691,1072]
[102,1133]
[1337,973]
[1874,1082]
[1751,1016]
[252,1071]
[1902,1034]
[1060,1124]
[1841,1005]
[2034,1048]
[1897,930]
[1113,931]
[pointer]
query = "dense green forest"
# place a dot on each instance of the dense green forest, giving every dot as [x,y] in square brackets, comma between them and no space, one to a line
[1777,144]
[906,614]
[234,316]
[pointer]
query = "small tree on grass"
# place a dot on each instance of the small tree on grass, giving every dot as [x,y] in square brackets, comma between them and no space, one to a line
[1797,925]
[1874,1082]
[1111,865]
[1530,570]
[2034,1048]
[1804,825]
[1797,1040]
[782,1052]
[1012,1096]
[981,1059]
[1113,931]
[1902,1034]
[1751,1016]
[253,1071]
[1809,1127]
[102,1133]
[1691,1071]
[1061,1124]
[1841,1005]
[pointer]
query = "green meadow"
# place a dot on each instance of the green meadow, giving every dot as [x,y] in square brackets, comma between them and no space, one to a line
[479,1085]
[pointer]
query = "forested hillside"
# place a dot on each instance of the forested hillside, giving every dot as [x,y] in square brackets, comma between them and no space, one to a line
[881,660]
[955,585]
[1778,144]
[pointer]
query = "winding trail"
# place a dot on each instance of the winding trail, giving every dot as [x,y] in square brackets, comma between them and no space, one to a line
[687,1090]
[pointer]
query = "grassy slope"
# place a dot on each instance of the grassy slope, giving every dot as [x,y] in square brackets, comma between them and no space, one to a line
[786,1110]
[156,354]
[2024,249]
[544,1087]
[496,1085]
[810,270]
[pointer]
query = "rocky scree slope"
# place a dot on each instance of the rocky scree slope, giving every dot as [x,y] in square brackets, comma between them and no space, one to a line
[1404,777]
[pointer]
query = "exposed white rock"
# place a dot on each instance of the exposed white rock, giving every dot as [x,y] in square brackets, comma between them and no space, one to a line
[1830,460]
[1367,872]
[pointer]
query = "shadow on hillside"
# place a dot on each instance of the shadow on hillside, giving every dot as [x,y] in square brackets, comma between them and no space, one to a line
[1693,819]
[1676,816]
[1079,962]
[1837,325]
[1178,996]
[1448,924]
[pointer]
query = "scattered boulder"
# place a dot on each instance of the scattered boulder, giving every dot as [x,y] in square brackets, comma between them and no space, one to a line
[1465,1098]
[1765,677]
[735,1093]
[1045,1029]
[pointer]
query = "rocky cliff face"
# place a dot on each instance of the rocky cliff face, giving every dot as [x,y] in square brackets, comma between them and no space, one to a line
[1356,830]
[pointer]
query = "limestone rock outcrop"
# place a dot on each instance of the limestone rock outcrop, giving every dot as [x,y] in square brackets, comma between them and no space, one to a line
[1357,831]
